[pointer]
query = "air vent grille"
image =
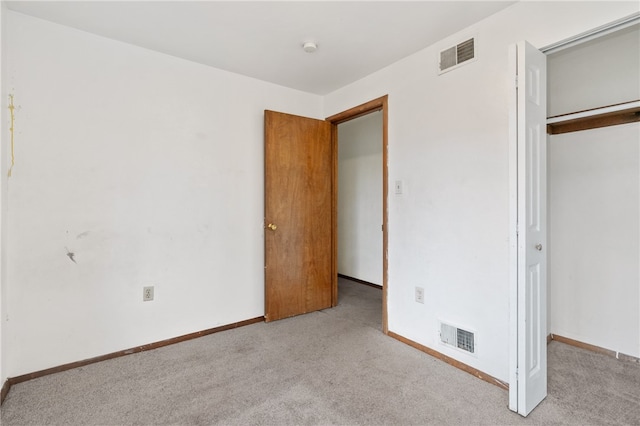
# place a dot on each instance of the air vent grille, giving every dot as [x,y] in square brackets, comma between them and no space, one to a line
[465,50]
[458,338]
[448,58]
[457,54]
[466,340]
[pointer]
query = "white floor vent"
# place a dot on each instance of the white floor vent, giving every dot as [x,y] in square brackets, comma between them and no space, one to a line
[456,55]
[458,338]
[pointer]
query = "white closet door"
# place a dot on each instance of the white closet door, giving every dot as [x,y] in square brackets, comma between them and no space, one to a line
[531,275]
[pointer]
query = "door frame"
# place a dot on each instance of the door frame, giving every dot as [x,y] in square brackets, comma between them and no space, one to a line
[379,104]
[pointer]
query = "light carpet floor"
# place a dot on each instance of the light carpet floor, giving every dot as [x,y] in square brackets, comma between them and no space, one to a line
[333,367]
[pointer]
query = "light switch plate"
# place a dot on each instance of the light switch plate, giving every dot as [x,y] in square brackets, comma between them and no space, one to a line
[398,187]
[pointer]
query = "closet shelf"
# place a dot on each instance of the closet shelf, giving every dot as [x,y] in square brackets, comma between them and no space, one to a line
[628,112]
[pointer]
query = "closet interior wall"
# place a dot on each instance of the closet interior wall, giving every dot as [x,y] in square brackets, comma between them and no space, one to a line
[594,197]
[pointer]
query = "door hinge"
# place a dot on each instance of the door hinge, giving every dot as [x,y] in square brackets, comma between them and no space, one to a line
[516,81]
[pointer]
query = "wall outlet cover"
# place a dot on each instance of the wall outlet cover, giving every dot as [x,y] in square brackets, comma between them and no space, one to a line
[147,293]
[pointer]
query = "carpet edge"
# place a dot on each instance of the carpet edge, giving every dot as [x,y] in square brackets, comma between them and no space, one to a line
[150,346]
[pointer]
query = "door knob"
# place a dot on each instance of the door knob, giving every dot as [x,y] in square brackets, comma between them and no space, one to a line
[272,226]
[539,247]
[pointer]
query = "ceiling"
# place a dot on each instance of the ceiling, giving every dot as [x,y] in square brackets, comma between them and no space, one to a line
[264,39]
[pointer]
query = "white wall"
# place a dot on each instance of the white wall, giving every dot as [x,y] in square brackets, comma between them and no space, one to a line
[594,74]
[360,198]
[448,142]
[150,169]
[594,226]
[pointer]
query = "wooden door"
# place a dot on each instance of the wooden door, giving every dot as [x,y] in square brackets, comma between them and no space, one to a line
[299,276]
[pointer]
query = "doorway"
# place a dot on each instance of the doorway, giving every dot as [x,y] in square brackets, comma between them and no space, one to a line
[360,199]
[360,214]
[360,174]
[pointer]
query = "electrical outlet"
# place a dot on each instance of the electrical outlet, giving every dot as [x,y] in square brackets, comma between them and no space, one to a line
[147,293]
[419,294]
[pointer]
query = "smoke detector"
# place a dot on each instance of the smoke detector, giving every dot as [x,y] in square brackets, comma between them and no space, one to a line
[309,47]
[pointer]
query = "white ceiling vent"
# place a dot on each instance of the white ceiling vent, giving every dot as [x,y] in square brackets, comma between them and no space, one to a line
[457,55]
[458,338]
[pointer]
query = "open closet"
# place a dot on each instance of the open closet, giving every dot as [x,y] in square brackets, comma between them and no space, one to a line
[594,192]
